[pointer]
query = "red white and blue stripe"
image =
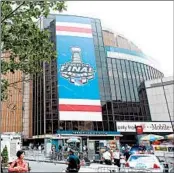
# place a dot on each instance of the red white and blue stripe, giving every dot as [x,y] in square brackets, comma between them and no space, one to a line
[73,29]
[77,103]
[80,110]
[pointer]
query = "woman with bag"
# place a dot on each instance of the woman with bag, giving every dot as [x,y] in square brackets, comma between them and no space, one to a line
[19,165]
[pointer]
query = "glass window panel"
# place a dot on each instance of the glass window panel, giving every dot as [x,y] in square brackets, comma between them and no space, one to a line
[115,74]
[102,54]
[97,53]
[95,41]
[98,26]
[111,79]
[94,27]
[100,39]
[108,60]
[113,61]
[110,72]
[148,71]
[101,49]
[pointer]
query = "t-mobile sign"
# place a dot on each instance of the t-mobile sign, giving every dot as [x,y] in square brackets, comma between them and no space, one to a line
[147,126]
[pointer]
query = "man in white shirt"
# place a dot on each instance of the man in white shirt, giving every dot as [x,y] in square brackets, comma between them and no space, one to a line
[107,157]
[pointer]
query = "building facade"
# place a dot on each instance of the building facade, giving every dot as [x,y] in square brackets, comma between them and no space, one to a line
[159,95]
[94,81]
[16,108]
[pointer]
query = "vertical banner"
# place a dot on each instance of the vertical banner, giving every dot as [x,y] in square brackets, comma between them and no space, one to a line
[78,87]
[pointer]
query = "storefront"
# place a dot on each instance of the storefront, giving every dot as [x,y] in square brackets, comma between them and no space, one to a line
[127,129]
[94,140]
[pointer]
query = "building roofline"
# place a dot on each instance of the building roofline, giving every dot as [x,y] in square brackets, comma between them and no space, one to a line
[75,16]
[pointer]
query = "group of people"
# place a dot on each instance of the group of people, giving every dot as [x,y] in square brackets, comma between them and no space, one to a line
[115,156]
[20,165]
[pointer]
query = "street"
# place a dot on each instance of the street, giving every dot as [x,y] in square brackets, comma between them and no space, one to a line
[46,167]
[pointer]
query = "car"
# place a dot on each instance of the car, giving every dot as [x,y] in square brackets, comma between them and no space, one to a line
[143,163]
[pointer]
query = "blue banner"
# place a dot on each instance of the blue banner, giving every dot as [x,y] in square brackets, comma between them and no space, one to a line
[77,72]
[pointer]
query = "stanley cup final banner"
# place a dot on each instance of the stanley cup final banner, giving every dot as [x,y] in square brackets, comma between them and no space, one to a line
[78,87]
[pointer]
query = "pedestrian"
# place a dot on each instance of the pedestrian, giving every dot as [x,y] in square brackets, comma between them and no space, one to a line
[122,161]
[19,165]
[107,157]
[127,154]
[40,148]
[73,162]
[60,148]
[84,148]
[116,155]
[1,164]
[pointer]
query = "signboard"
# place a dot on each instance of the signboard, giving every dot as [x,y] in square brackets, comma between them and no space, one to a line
[147,126]
[78,86]
[89,132]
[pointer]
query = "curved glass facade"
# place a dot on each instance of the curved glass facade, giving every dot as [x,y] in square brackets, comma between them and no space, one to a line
[119,79]
[125,77]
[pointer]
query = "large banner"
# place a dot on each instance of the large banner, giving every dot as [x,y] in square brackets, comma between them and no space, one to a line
[78,87]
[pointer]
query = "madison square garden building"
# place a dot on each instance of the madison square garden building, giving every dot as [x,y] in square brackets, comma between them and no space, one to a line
[93,83]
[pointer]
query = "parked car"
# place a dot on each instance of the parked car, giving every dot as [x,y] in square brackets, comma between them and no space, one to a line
[143,163]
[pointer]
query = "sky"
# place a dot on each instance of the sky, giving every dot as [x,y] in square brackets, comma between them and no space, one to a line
[148,24]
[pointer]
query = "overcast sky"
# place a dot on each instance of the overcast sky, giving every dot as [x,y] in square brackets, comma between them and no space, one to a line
[149,24]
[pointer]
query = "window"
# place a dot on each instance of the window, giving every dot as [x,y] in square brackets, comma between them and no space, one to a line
[108,60]
[101,49]
[98,26]
[102,55]
[95,41]
[100,40]
[93,27]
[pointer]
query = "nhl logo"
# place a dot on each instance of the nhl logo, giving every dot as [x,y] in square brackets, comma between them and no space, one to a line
[76,71]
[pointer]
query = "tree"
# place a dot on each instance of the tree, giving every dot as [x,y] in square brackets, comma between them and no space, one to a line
[5,155]
[26,45]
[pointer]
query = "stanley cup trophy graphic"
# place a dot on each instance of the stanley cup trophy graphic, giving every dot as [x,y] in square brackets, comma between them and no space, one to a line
[76,71]
[76,55]
[76,59]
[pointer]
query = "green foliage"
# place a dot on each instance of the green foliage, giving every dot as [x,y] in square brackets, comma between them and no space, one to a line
[29,46]
[5,155]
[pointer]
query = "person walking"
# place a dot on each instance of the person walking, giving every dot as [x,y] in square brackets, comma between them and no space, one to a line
[60,148]
[127,154]
[116,155]
[19,165]
[107,157]
[73,162]
[122,161]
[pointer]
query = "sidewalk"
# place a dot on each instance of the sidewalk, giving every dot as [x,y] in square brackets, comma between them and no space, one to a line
[33,155]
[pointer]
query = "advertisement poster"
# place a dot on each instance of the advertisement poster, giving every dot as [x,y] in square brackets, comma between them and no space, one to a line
[147,126]
[78,87]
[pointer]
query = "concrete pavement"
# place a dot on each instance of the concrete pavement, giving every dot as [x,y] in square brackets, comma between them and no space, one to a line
[38,156]
[46,167]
